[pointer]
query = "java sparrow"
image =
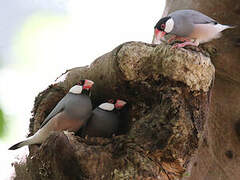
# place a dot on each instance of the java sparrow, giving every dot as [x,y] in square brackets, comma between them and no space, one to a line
[71,113]
[188,25]
[105,119]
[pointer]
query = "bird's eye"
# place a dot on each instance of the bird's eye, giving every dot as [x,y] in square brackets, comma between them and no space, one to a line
[162,26]
[111,101]
[81,82]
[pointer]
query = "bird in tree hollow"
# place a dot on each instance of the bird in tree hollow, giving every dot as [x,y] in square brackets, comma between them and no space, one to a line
[189,26]
[105,119]
[70,114]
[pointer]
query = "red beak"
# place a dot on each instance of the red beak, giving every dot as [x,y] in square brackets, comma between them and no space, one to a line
[88,84]
[159,34]
[119,104]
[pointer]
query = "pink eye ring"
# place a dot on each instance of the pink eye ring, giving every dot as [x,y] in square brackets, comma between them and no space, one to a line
[163,26]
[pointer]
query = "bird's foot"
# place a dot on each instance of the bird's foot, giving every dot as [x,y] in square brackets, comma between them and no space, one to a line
[187,43]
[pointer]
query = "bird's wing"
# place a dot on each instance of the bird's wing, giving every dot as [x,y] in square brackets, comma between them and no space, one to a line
[195,16]
[57,109]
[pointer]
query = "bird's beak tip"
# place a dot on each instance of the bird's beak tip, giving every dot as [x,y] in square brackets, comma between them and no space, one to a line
[88,84]
[159,34]
[120,103]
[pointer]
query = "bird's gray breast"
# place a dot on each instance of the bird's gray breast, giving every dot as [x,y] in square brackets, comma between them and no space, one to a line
[78,106]
[102,123]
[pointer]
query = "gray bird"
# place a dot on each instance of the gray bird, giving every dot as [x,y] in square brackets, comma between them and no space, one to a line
[105,119]
[70,114]
[189,26]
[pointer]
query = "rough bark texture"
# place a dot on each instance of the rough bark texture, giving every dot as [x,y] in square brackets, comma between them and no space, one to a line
[218,157]
[168,92]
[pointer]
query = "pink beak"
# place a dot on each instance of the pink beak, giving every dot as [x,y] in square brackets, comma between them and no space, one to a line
[159,34]
[119,104]
[88,84]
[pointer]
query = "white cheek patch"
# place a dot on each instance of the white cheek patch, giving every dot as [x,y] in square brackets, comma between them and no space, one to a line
[76,89]
[106,106]
[169,25]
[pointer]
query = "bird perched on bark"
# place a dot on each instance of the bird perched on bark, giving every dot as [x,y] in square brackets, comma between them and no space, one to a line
[189,26]
[71,113]
[105,119]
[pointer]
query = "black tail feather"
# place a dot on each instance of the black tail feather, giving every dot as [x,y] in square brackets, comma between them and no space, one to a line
[16,146]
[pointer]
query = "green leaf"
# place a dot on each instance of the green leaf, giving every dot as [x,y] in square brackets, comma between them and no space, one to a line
[2,123]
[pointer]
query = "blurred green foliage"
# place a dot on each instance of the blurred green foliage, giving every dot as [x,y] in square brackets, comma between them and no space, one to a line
[2,120]
[2,123]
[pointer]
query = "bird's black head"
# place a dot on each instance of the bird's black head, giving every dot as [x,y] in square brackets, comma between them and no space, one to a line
[81,82]
[82,87]
[118,104]
[112,105]
[161,24]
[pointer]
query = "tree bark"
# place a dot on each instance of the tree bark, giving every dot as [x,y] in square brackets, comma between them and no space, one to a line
[168,95]
[218,157]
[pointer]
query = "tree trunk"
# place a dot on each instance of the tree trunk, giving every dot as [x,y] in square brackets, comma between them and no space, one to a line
[219,157]
[168,93]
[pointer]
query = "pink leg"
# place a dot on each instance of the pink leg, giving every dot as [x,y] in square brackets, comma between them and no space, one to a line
[187,43]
